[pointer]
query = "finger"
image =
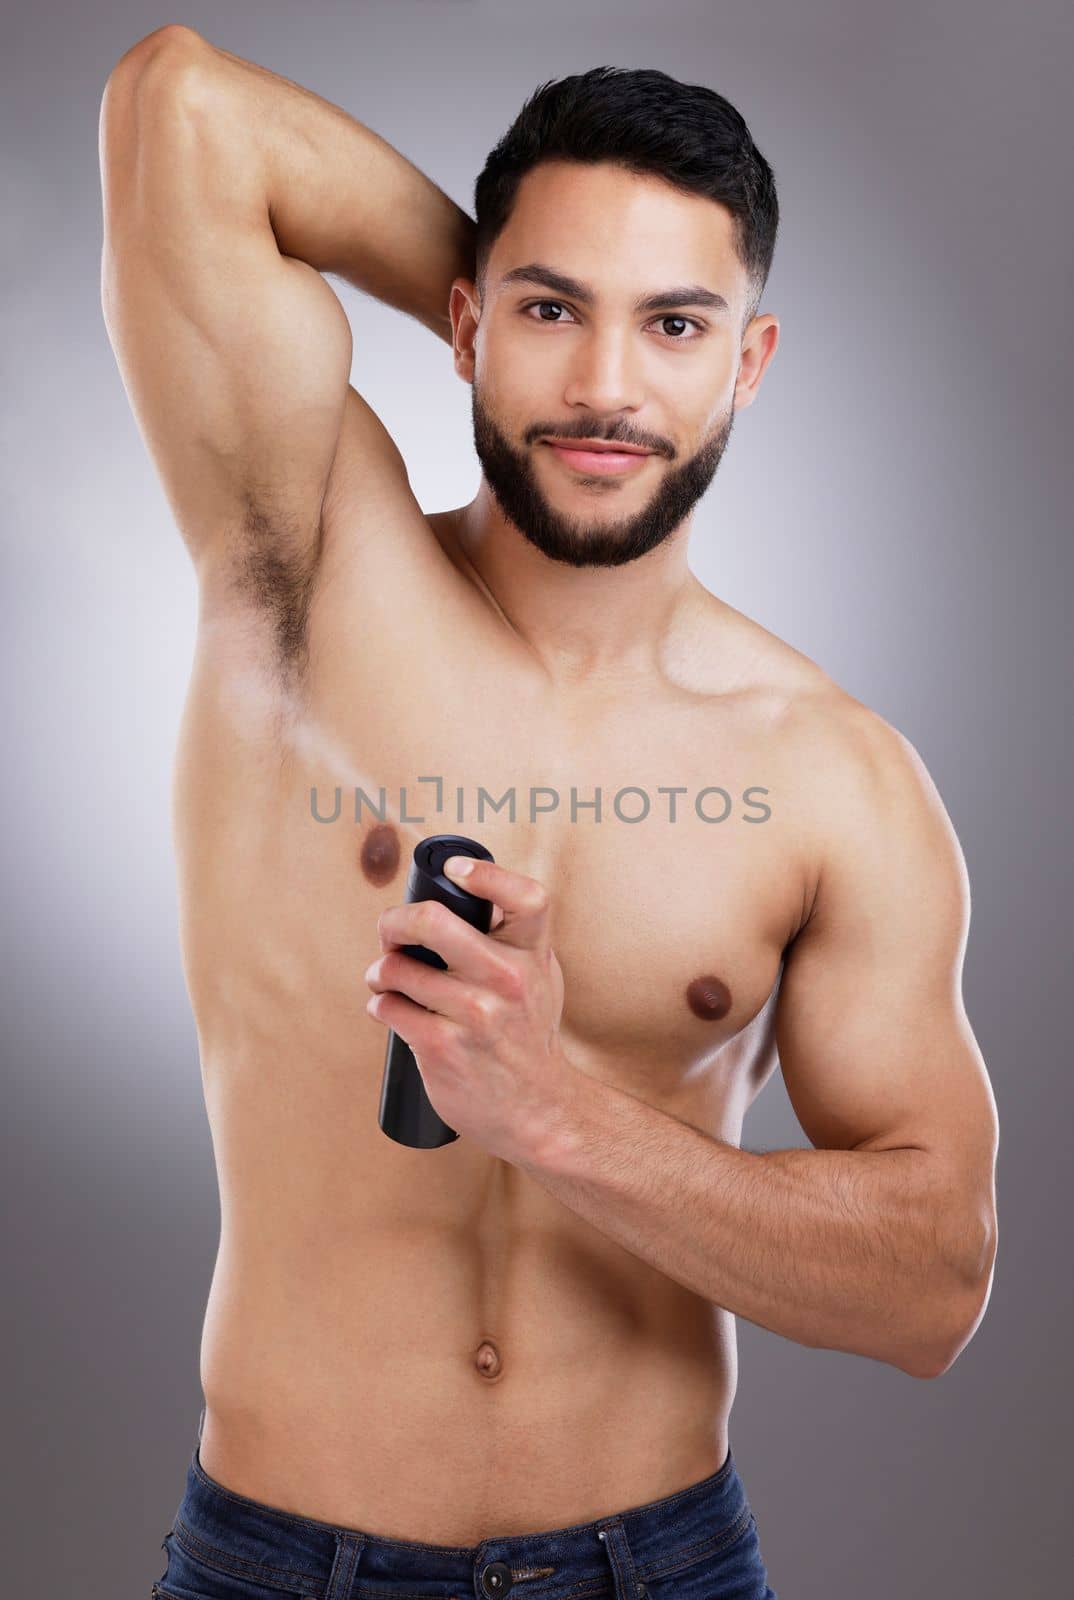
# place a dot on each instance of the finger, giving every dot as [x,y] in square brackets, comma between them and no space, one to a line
[423,1030]
[469,953]
[396,973]
[526,902]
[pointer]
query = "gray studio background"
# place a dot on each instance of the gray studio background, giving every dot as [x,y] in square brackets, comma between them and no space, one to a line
[896,505]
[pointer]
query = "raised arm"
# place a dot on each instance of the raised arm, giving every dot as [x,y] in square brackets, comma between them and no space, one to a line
[228,191]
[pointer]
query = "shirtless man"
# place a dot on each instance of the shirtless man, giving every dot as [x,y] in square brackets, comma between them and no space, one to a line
[531,1327]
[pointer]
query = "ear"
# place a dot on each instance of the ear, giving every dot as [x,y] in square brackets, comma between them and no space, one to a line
[759,342]
[465,309]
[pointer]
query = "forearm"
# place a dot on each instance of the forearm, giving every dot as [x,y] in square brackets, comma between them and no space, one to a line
[338,196]
[842,1250]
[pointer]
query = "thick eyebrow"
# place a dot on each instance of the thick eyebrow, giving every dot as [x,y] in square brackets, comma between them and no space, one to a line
[691,294]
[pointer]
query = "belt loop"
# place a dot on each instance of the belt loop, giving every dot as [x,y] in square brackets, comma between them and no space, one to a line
[614,1539]
[341,1578]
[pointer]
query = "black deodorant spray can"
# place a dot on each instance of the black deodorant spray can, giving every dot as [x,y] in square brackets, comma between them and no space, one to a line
[406,1112]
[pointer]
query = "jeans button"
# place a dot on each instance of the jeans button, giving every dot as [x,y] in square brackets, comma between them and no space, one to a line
[496,1578]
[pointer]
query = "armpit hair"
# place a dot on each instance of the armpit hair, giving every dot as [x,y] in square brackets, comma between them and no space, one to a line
[276,565]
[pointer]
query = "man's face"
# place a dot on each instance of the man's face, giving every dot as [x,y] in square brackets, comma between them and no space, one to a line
[548,361]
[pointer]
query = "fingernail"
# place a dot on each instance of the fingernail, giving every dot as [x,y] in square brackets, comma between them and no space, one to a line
[458,866]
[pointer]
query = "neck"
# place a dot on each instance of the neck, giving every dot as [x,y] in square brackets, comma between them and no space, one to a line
[579,622]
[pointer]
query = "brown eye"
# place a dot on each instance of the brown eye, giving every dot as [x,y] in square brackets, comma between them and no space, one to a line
[686,322]
[540,305]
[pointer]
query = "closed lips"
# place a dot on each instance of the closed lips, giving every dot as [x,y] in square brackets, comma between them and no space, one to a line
[599,446]
[601,458]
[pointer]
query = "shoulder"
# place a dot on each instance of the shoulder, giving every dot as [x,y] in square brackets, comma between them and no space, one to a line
[866,809]
[855,755]
[883,839]
[868,773]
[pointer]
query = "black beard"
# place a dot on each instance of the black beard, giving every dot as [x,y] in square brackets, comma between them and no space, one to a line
[510,476]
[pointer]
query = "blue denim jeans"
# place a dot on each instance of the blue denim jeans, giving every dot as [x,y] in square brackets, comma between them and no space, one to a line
[698,1544]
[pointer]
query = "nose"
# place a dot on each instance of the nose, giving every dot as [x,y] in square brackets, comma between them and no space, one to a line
[605,374]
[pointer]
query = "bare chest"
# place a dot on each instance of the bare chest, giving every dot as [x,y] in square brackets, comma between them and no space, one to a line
[656,826]
[661,821]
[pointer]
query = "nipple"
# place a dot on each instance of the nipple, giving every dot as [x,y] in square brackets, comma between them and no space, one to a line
[708,997]
[380,855]
[487,1360]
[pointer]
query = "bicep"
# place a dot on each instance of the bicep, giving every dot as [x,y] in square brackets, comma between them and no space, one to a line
[235,358]
[873,1040]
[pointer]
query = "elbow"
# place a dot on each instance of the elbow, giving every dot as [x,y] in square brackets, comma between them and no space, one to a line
[934,1365]
[967,1313]
[167,56]
[155,96]
[171,40]
[934,1362]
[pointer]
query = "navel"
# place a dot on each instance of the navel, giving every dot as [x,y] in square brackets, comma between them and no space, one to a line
[487,1359]
[380,855]
[708,997]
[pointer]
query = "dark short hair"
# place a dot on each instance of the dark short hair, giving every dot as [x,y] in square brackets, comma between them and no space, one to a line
[648,122]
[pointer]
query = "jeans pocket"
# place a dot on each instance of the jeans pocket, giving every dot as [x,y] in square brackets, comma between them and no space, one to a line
[225,1575]
[728,1568]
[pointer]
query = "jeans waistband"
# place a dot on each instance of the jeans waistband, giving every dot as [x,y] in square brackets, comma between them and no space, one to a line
[234,1534]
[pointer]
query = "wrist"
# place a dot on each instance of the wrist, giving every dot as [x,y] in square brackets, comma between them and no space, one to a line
[548,1141]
